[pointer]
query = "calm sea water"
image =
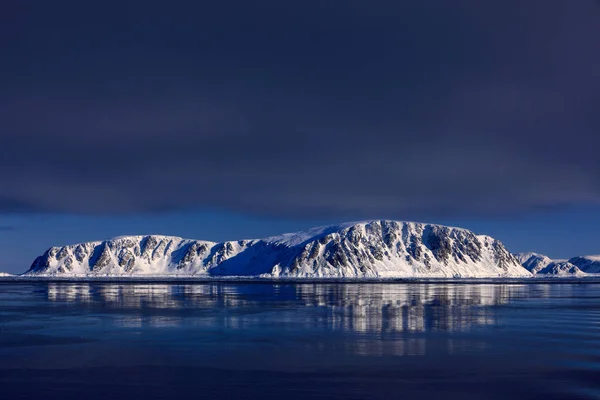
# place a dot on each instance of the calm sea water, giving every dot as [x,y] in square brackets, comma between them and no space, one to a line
[299,341]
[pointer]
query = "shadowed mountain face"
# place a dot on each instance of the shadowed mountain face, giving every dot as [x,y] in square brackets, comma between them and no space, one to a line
[367,249]
[588,264]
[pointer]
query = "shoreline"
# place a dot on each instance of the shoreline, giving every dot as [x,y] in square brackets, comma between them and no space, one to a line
[595,279]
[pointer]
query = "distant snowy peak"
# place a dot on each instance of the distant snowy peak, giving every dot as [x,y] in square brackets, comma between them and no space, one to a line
[539,264]
[4,274]
[526,256]
[354,250]
[588,264]
[533,262]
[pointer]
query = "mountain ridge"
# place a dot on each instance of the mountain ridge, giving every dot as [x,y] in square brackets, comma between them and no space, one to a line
[380,248]
[540,264]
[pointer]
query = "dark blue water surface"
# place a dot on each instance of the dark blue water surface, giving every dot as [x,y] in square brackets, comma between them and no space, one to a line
[299,341]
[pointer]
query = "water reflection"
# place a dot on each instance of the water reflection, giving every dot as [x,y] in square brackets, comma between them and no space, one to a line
[347,307]
[419,307]
[426,340]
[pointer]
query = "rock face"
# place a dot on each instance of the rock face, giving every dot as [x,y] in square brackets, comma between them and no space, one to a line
[539,264]
[366,249]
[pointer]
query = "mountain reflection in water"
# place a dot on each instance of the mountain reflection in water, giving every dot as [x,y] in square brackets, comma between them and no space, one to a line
[268,340]
[348,307]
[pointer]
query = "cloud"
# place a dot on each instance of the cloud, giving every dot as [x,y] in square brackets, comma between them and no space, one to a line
[391,110]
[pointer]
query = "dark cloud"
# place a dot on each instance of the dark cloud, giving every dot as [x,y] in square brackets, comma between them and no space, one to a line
[352,108]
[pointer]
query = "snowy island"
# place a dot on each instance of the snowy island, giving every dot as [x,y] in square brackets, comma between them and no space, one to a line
[373,249]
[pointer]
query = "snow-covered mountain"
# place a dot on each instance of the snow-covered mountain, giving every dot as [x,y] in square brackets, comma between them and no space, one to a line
[539,264]
[533,262]
[588,264]
[4,274]
[354,250]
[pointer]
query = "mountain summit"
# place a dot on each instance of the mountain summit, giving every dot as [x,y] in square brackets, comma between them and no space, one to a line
[372,249]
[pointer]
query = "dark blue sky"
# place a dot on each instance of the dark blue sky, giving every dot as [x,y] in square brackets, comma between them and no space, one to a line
[233,119]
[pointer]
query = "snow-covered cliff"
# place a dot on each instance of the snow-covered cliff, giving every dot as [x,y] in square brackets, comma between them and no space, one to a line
[365,249]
